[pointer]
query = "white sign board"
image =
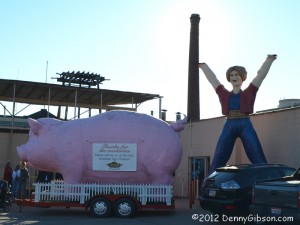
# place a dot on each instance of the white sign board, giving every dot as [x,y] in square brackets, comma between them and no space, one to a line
[114,156]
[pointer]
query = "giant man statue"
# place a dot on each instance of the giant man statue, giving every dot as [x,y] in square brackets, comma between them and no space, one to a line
[236,106]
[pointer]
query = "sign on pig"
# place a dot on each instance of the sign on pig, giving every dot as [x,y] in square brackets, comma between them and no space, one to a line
[112,147]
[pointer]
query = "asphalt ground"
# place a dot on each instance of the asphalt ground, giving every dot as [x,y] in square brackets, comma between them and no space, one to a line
[181,215]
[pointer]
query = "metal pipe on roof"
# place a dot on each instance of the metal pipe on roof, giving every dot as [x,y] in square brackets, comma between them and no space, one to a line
[159,107]
[101,102]
[14,106]
[75,105]
[49,96]
[132,102]
[66,112]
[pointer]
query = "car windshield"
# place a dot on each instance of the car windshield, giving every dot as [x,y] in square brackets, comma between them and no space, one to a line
[297,174]
[222,176]
[247,177]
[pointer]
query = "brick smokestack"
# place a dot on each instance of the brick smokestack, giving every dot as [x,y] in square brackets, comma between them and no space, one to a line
[193,104]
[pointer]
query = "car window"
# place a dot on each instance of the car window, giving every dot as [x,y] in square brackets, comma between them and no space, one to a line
[223,176]
[288,171]
[268,173]
[296,174]
[298,171]
[249,177]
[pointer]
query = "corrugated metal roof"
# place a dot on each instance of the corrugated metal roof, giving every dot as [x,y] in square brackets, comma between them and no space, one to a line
[38,93]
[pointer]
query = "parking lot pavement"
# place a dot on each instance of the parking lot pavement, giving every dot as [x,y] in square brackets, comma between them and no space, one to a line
[182,215]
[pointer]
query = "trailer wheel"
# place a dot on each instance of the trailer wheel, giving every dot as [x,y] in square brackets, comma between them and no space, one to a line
[124,208]
[100,207]
[6,206]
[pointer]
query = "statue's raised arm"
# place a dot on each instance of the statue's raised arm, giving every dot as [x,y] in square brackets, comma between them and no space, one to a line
[211,77]
[263,71]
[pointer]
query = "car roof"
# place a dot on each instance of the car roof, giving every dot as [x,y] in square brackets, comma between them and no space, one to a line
[249,166]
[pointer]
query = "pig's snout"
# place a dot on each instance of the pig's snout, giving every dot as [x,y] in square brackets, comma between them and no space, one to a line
[22,153]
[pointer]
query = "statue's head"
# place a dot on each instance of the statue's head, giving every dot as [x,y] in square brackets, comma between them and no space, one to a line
[241,71]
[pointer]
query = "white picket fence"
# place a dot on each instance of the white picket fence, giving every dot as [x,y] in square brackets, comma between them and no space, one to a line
[59,191]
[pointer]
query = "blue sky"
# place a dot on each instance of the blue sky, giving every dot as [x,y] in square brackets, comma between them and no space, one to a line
[143,45]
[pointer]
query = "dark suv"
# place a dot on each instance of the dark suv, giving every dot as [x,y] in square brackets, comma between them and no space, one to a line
[228,190]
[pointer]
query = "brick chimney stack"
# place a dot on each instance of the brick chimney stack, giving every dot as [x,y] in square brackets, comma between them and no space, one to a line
[193,104]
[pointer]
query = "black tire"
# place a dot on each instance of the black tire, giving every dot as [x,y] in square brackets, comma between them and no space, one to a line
[7,204]
[125,208]
[100,207]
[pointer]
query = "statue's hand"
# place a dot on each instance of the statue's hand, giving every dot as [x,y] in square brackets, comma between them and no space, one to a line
[272,56]
[201,65]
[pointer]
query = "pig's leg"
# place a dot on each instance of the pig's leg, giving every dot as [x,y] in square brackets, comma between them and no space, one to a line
[162,178]
[72,171]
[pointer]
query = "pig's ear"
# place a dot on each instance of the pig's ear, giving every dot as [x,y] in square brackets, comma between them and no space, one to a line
[34,125]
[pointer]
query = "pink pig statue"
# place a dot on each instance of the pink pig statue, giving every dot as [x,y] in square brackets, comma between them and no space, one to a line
[112,147]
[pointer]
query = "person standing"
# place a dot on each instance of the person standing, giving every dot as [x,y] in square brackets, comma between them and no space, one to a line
[16,181]
[23,180]
[8,173]
[236,106]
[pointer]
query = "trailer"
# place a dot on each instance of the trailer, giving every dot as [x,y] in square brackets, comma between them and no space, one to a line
[124,200]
